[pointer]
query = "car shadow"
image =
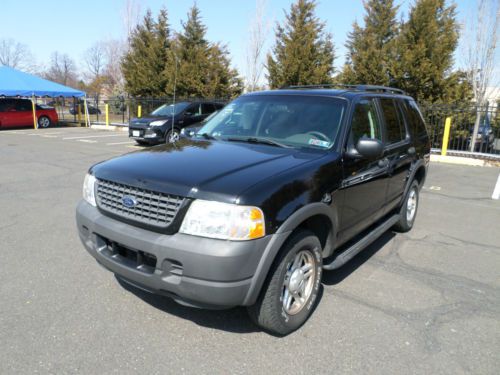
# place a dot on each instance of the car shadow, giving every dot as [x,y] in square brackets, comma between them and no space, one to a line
[335,277]
[234,320]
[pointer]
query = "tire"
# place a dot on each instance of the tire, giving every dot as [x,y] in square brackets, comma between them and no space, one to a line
[44,122]
[172,135]
[270,312]
[408,211]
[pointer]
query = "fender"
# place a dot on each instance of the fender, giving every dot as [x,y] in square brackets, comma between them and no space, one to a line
[411,175]
[279,239]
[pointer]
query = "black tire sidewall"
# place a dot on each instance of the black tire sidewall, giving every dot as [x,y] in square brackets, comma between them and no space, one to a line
[312,244]
[408,225]
[43,127]
[169,132]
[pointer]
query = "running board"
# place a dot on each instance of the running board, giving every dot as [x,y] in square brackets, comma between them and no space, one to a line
[352,251]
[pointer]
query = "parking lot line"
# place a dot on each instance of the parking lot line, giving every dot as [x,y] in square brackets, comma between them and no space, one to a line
[94,136]
[119,143]
[86,140]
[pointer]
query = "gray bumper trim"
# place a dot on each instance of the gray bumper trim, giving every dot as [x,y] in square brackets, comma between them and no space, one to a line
[194,270]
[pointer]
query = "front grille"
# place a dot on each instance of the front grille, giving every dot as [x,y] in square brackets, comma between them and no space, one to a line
[151,207]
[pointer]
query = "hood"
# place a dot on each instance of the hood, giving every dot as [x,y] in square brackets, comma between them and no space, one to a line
[148,119]
[216,170]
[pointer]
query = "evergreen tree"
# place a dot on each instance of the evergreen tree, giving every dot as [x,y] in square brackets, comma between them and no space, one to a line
[425,51]
[303,53]
[371,48]
[144,63]
[200,68]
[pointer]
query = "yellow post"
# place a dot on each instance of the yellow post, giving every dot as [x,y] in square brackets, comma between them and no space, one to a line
[79,114]
[139,111]
[85,112]
[107,114]
[446,136]
[34,112]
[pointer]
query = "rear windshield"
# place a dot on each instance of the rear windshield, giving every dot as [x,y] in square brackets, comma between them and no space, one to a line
[295,121]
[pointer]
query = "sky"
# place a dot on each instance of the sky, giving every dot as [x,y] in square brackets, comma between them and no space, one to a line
[72,27]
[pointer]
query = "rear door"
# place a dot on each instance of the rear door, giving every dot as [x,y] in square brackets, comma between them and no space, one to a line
[398,152]
[24,112]
[365,180]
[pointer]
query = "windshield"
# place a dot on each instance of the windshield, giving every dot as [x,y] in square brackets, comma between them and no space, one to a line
[169,109]
[295,121]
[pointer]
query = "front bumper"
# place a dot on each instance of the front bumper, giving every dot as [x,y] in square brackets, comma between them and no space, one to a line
[192,270]
[146,134]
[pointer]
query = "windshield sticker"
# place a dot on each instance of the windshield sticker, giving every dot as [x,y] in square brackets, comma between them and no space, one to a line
[319,142]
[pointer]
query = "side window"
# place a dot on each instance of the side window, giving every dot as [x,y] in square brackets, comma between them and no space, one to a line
[414,118]
[396,131]
[207,108]
[3,105]
[194,109]
[365,121]
[23,105]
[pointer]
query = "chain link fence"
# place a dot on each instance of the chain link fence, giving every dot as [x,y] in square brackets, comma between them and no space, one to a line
[463,117]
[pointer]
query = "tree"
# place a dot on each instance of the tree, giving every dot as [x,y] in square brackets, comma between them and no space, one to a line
[371,49]
[62,70]
[257,35]
[15,55]
[480,41]
[425,50]
[303,53]
[146,60]
[197,67]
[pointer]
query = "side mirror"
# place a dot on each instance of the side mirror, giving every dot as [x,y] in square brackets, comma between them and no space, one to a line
[368,148]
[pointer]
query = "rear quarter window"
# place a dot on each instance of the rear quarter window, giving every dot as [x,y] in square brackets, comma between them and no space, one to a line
[414,118]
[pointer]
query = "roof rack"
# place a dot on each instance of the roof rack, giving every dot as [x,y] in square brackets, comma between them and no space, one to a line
[373,88]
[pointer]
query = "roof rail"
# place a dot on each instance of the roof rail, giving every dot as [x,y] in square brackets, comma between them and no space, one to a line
[373,88]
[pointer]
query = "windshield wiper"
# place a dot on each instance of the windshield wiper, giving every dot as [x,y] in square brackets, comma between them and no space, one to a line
[205,135]
[265,141]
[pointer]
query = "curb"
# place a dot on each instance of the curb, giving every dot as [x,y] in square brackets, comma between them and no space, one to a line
[460,160]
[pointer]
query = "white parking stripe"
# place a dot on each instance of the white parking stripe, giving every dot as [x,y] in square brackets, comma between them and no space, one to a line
[95,136]
[496,191]
[119,143]
[86,140]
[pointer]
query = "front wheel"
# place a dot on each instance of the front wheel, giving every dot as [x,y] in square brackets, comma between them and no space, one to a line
[172,135]
[43,122]
[408,210]
[292,287]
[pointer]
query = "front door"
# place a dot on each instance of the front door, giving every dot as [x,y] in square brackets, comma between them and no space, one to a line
[365,180]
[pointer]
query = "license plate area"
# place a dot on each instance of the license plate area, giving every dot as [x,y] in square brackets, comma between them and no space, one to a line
[137,259]
[136,133]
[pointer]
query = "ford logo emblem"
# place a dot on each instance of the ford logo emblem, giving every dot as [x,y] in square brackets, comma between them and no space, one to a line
[129,201]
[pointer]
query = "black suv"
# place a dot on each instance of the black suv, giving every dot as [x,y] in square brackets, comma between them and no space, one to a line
[157,126]
[277,187]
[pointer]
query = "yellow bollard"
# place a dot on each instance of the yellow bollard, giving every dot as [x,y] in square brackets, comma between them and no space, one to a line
[139,111]
[33,106]
[446,136]
[107,114]
[79,114]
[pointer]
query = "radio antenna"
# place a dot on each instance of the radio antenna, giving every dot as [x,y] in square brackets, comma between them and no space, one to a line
[172,138]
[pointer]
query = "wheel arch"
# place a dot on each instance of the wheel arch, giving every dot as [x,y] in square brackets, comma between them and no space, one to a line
[319,218]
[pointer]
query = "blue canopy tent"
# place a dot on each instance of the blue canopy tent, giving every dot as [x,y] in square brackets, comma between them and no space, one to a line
[16,83]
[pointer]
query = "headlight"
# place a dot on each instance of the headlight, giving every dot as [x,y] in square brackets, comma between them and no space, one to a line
[88,189]
[223,221]
[158,123]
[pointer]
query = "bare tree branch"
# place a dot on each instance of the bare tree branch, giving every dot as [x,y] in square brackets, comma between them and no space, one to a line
[480,44]
[258,30]
[15,55]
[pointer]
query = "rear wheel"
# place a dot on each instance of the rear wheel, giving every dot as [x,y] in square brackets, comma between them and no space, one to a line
[43,122]
[291,289]
[408,210]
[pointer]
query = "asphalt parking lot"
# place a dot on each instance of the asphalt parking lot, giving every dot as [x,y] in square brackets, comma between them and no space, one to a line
[424,302]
